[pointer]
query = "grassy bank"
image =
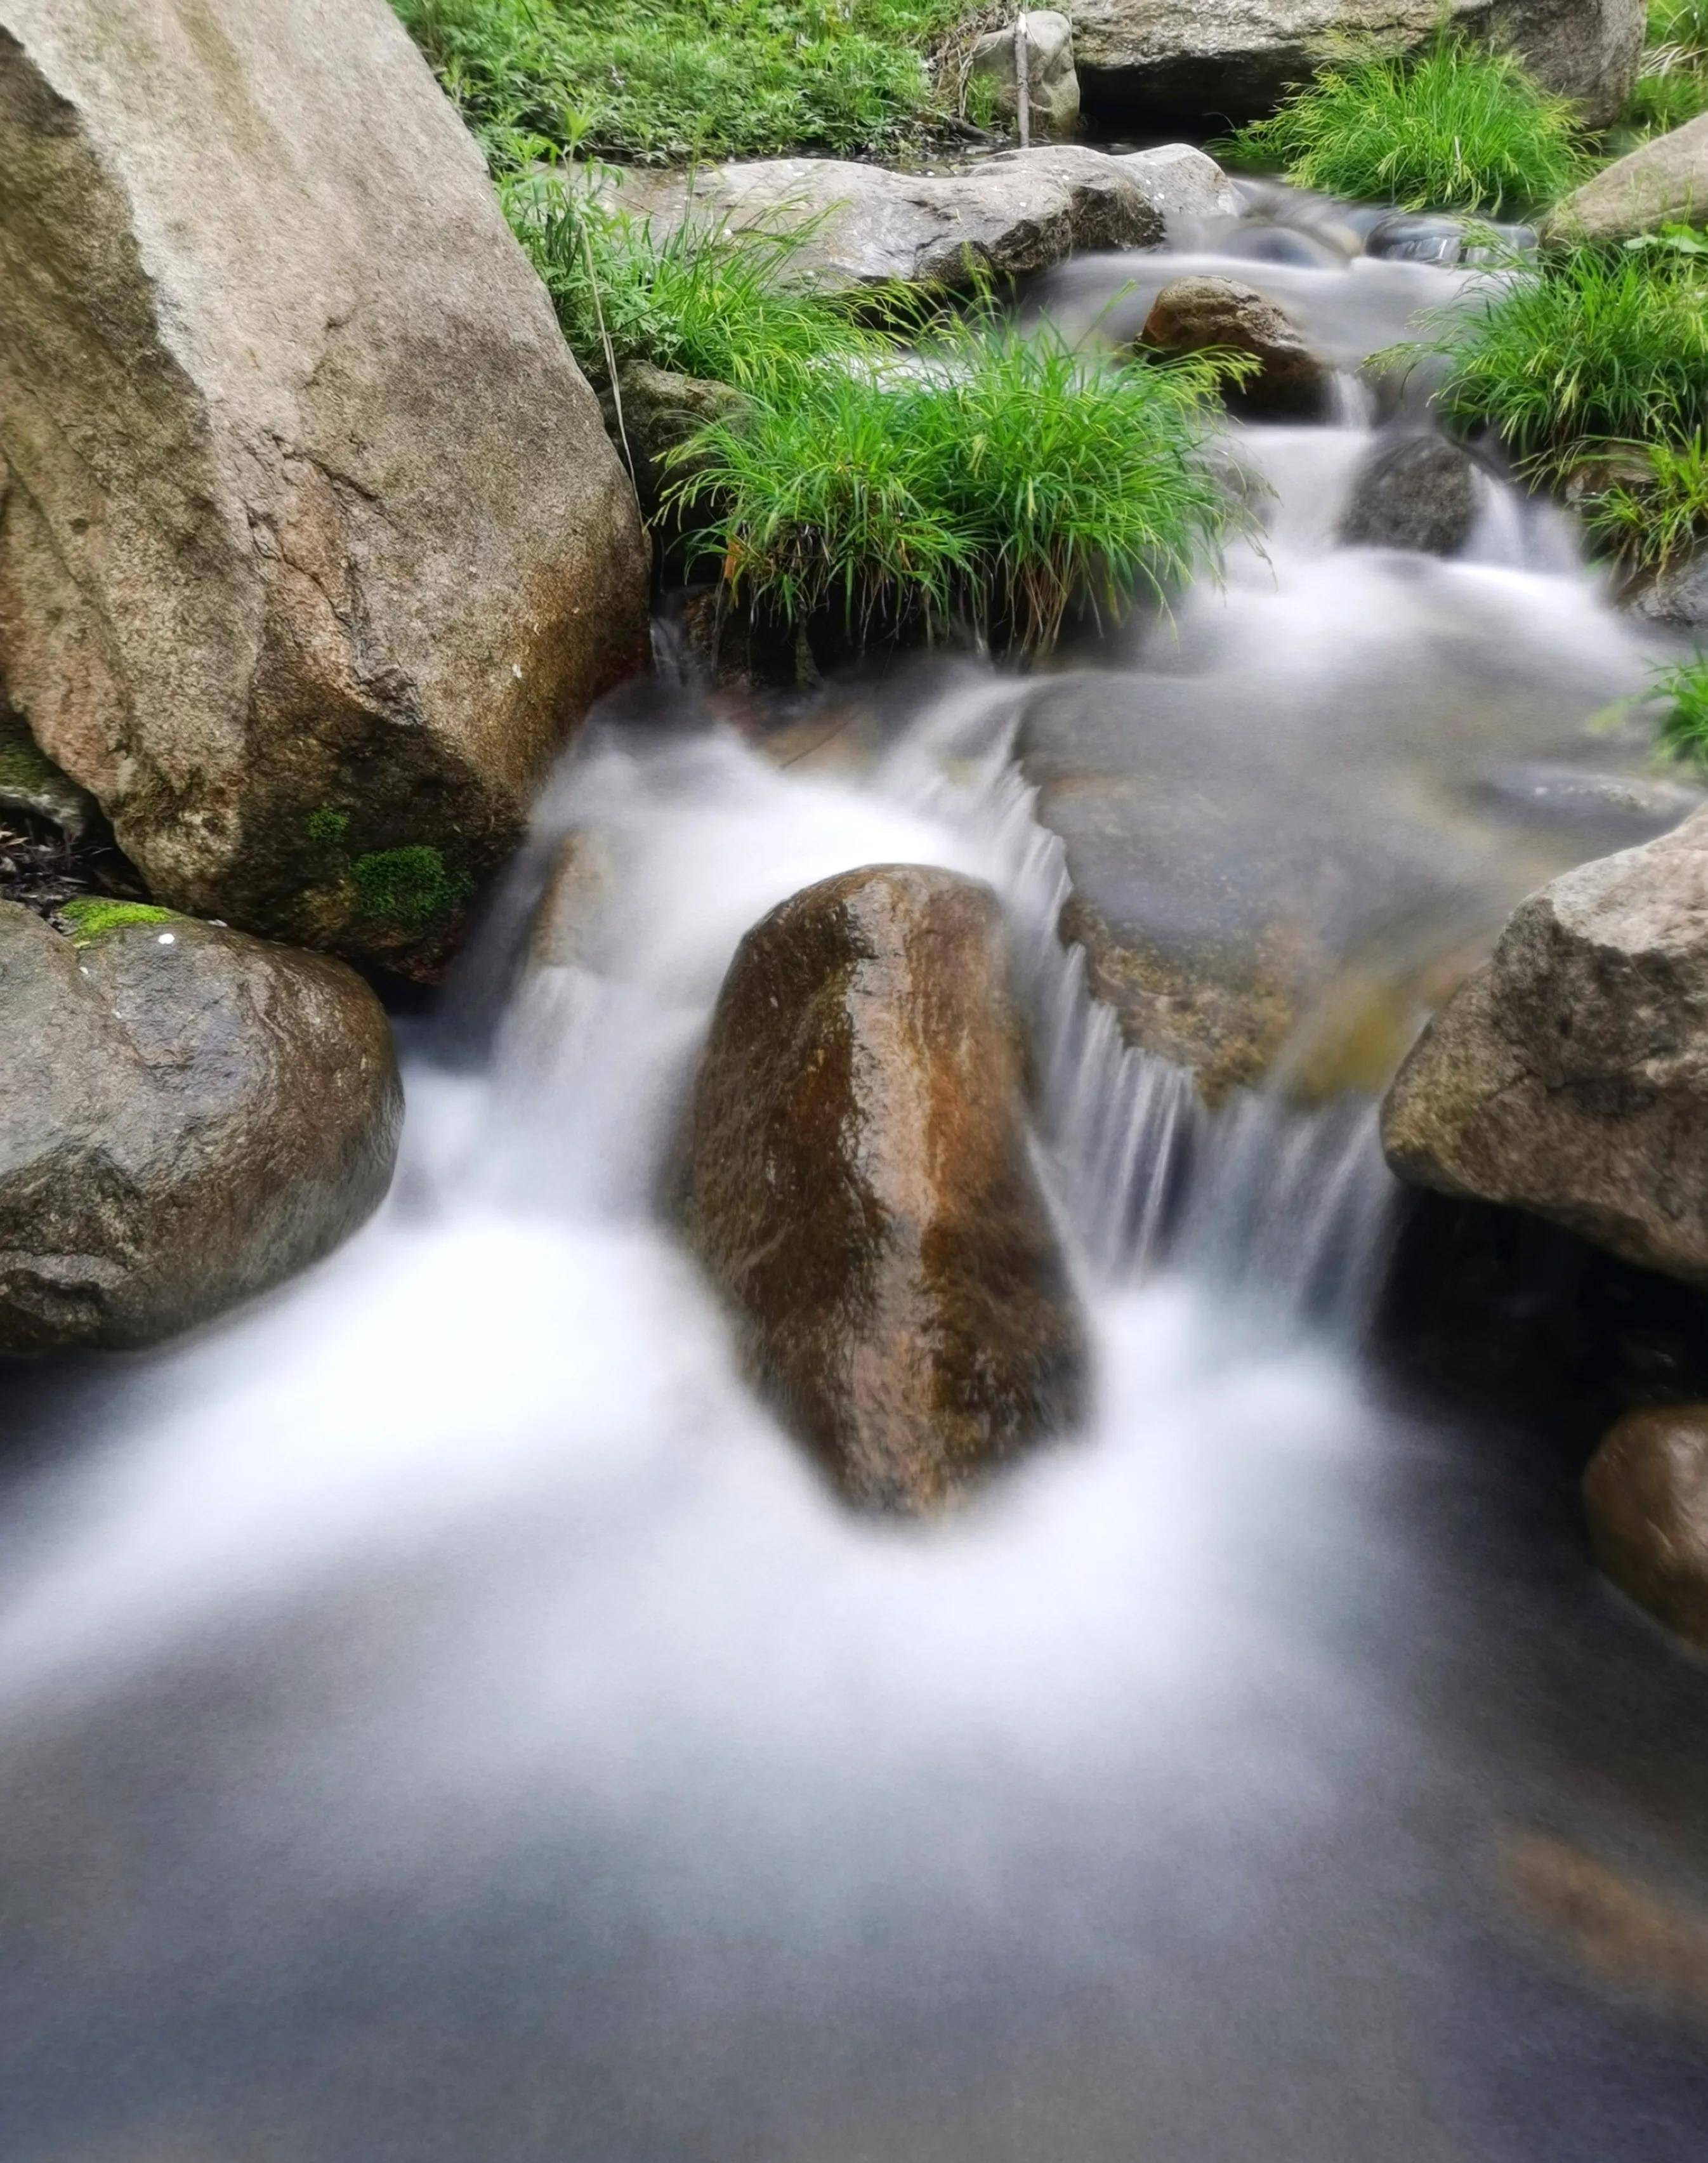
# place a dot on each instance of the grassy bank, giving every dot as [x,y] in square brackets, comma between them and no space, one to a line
[1672,83]
[682,79]
[1590,368]
[910,474]
[1454,129]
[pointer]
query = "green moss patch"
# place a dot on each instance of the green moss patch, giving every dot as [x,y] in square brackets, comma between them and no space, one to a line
[92,917]
[326,824]
[410,889]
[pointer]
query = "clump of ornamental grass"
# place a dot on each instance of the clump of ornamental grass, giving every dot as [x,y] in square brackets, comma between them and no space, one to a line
[1584,353]
[997,482]
[1672,76]
[671,80]
[1657,515]
[1684,728]
[1451,129]
[705,298]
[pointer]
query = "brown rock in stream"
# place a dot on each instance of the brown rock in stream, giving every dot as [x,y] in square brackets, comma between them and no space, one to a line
[860,1186]
[1646,1495]
[1221,315]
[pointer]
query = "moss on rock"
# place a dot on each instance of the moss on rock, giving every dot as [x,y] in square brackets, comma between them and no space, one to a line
[411,887]
[93,916]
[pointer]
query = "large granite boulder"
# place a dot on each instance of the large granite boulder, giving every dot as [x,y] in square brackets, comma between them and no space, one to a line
[1646,1497]
[1147,61]
[1662,181]
[860,1186]
[1010,215]
[187,1116]
[1569,1075]
[310,532]
[1053,87]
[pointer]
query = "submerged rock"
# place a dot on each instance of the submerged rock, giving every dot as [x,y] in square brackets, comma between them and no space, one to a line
[860,1186]
[1646,1495]
[1420,492]
[1150,60]
[1053,87]
[307,515]
[1569,1077]
[1006,215]
[1662,182]
[1275,868]
[187,1116]
[1212,315]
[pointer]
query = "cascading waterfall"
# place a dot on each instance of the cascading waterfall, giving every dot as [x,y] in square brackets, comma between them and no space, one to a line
[445,1717]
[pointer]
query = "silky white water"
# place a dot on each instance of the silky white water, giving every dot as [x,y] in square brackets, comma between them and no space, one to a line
[444,1717]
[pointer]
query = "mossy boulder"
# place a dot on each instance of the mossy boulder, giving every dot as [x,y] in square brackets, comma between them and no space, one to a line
[187,1116]
[860,1187]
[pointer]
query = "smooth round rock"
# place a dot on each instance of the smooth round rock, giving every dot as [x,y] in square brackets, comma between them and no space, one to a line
[187,1117]
[860,1188]
[1209,315]
[1646,1495]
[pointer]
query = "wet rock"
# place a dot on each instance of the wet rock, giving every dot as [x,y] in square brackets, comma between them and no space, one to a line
[1053,87]
[1204,315]
[1661,182]
[577,891]
[659,410]
[31,782]
[860,1186]
[187,1116]
[1646,1494]
[1569,1077]
[1639,1937]
[1561,797]
[1420,492]
[1283,244]
[1677,597]
[1188,187]
[1268,883]
[306,511]
[1010,215]
[1147,59]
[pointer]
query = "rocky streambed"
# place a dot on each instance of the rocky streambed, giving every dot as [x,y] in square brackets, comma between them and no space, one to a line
[445,1709]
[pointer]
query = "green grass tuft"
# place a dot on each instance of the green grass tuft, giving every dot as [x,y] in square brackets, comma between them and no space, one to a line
[1672,77]
[999,482]
[326,824]
[1683,728]
[706,299]
[1454,129]
[92,916]
[670,80]
[1663,515]
[409,888]
[1586,353]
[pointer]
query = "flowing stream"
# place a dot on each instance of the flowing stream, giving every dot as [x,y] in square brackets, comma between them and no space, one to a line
[445,1718]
